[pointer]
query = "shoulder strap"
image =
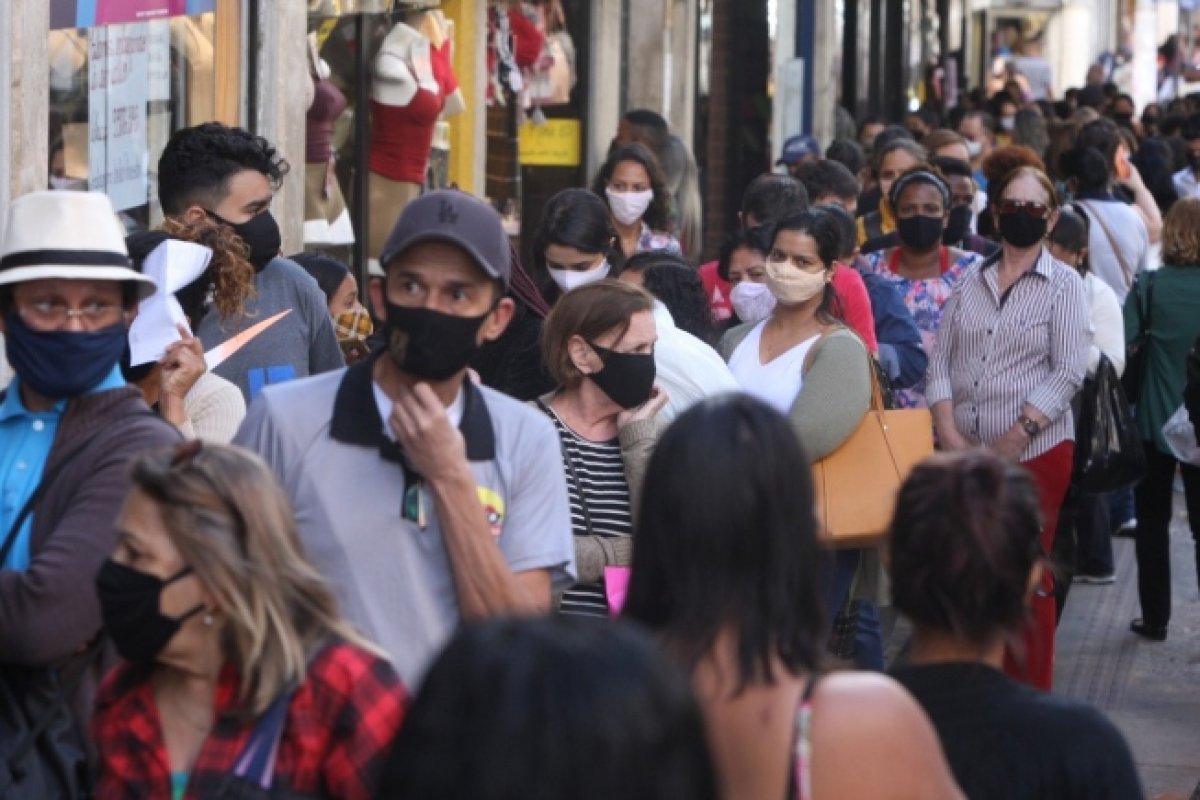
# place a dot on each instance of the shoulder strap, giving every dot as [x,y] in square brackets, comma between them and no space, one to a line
[1148,315]
[570,465]
[1125,270]
[877,401]
[48,477]
[801,767]
[256,763]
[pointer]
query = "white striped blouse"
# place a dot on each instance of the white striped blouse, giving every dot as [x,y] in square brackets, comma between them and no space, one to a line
[995,353]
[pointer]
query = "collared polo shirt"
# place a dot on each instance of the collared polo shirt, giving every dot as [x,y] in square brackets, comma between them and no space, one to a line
[325,440]
[25,441]
[996,351]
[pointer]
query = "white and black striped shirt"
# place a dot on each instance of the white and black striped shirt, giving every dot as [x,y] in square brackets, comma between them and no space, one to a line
[599,498]
[995,353]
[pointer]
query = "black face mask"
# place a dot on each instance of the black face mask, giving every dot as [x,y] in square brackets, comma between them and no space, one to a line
[920,233]
[428,344]
[1022,230]
[627,378]
[958,225]
[58,364]
[1123,119]
[1194,161]
[261,235]
[129,606]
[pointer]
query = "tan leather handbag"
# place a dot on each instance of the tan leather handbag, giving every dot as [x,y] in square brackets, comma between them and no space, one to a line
[855,486]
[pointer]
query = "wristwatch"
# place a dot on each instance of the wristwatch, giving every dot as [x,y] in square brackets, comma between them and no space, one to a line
[1030,425]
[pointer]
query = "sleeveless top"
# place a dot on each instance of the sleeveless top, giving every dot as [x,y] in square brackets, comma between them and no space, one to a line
[802,748]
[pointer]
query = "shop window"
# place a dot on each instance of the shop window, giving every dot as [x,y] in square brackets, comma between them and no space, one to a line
[124,76]
[382,90]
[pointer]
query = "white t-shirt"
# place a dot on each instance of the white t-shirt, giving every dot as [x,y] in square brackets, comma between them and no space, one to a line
[1108,325]
[1186,184]
[776,382]
[688,369]
[1128,233]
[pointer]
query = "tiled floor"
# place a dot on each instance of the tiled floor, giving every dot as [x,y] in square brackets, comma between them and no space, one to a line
[1150,690]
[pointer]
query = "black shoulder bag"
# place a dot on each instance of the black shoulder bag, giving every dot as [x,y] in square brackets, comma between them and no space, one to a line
[1137,351]
[1108,447]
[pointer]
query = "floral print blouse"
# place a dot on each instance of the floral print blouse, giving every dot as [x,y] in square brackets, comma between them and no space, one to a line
[925,299]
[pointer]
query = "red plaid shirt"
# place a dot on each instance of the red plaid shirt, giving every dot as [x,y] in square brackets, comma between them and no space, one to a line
[339,729]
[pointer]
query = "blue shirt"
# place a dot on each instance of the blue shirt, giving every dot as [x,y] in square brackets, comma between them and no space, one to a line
[25,441]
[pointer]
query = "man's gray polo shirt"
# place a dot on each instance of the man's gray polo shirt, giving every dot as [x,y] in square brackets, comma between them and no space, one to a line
[324,438]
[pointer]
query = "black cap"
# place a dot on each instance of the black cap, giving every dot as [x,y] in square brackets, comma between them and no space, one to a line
[457,218]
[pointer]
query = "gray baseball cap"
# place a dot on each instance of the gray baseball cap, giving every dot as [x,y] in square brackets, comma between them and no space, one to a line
[457,218]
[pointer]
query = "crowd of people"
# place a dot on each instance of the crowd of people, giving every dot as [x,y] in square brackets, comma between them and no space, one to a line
[263,538]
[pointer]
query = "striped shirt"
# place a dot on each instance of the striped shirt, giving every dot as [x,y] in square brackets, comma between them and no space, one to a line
[995,353]
[599,499]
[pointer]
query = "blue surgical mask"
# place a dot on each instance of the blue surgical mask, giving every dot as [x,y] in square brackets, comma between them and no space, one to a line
[60,364]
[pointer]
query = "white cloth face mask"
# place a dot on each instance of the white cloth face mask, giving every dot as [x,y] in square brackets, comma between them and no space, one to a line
[628,207]
[752,302]
[568,279]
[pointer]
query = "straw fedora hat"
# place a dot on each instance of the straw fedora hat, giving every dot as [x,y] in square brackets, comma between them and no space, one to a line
[67,235]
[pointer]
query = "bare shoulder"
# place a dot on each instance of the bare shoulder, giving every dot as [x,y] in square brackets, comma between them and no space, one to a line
[864,719]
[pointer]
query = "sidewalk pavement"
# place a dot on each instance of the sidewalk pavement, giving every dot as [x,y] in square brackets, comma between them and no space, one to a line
[1151,690]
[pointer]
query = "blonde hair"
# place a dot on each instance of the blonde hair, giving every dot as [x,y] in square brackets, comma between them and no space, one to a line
[1181,234]
[233,525]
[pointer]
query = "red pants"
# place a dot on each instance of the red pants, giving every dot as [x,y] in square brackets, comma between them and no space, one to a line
[1032,659]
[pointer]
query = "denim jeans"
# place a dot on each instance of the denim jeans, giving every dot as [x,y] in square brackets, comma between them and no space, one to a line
[856,620]
[1121,507]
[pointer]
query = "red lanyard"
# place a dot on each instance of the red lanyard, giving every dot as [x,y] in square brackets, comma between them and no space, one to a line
[943,252]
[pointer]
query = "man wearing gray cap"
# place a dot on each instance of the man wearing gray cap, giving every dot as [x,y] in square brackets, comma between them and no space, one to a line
[424,498]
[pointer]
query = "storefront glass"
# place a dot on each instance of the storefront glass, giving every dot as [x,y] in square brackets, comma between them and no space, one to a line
[382,88]
[125,75]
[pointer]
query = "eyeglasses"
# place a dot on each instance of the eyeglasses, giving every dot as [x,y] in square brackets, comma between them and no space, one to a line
[1029,208]
[48,315]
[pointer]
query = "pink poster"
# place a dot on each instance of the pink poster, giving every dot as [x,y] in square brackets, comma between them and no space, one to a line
[111,12]
[90,13]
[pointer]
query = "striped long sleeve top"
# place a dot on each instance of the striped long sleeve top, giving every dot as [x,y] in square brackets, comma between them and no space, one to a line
[996,351]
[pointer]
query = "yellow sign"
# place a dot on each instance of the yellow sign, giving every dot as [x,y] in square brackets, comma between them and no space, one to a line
[323,32]
[555,143]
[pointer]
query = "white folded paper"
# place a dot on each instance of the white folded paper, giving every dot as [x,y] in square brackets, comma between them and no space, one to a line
[173,265]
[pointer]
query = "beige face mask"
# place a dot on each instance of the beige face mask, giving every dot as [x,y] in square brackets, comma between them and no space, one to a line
[792,285]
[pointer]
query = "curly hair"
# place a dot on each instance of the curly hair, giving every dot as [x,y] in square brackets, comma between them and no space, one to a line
[1181,234]
[677,284]
[658,215]
[1006,159]
[232,278]
[197,163]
